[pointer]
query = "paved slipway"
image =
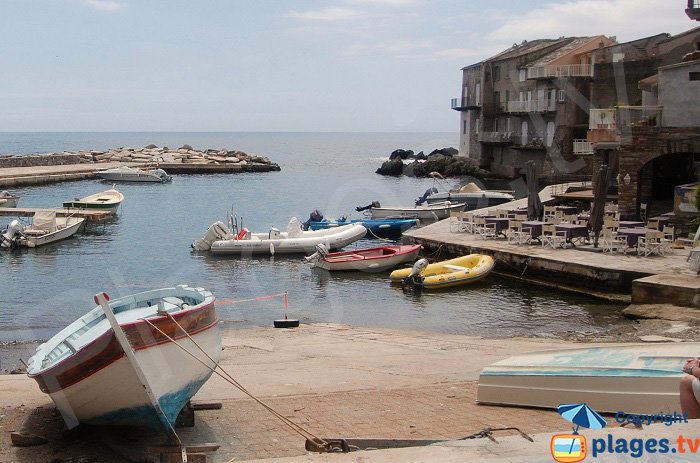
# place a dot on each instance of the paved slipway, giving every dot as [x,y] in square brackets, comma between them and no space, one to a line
[334,380]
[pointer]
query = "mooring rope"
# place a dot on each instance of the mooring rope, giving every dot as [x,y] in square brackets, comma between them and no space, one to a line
[259,298]
[303,432]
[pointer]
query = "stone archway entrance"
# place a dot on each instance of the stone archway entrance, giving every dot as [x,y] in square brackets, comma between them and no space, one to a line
[659,177]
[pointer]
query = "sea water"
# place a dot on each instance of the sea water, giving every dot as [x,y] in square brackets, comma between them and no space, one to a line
[148,244]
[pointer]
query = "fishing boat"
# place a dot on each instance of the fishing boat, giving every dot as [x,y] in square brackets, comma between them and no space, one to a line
[374,259]
[376,228]
[220,240]
[634,378]
[108,201]
[130,174]
[426,212]
[8,200]
[46,227]
[119,364]
[453,272]
[472,196]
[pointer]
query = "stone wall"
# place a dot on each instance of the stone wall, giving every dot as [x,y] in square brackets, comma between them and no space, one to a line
[40,160]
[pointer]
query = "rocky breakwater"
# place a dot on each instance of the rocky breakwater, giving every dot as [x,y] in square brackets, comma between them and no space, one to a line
[444,161]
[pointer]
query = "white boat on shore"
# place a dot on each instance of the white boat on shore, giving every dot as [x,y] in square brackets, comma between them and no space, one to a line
[634,378]
[46,227]
[130,174]
[220,240]
[427,212]
[94,378]
[107,201]
[8,200]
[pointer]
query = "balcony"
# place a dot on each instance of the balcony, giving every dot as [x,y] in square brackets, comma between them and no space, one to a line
[583,147]
[560,70]
[604,119]
[464,104]
[531,106]
[693,10]
[639,116]
[498,137]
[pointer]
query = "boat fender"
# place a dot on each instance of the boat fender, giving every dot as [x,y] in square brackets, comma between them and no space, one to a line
[241,234]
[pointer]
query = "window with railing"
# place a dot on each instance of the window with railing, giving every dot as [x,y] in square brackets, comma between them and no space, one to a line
[560,70]
[532,106]
[582,147]
[639,116]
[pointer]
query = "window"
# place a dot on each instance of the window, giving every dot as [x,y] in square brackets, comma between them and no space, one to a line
[477,94]
[523,75]
[618,57]
[464,126]
[523,133]
[496,73]
[508,124]
[507,97]
[694,75]
[476,126]
[497,100]
[562,96]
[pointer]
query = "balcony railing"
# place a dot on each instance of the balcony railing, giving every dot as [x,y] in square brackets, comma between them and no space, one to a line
[602,119]
[499,137]
[464,103]
[636,116]
[583,147]
[560,70]
[531,106]
[693,10]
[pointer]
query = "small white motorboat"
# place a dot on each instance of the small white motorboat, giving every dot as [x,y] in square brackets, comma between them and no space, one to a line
[8,200]
[220,240]
[472,196]
[130,174]
[46,227]
[427,212]
[120,363]
[374,259]
[107,201]
[634,378]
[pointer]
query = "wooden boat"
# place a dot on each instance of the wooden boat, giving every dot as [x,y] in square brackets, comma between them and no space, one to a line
[374,259]
[448,273]
[130,174]
[8,200]
[634,378]
[427,212]
[45,228]
[93,379]
[376,228]
[108,200]
[220,240]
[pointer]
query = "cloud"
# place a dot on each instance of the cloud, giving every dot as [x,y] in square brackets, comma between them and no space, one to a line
[327,14]
[627,19]
[389,2]
[106,5]
[394,47]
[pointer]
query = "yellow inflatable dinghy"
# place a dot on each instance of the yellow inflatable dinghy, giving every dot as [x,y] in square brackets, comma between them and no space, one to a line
[453,272]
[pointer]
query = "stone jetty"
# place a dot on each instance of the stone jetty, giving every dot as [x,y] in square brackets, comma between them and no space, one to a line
[151,154]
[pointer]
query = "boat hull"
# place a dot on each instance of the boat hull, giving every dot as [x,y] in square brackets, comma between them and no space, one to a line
[473,201]
[449,273]
[261,243]
[95,383]
[128,174]
[9,201]
[108,201]
[369,260]
[386,228]
[638,378]
[72,226]
[431,212]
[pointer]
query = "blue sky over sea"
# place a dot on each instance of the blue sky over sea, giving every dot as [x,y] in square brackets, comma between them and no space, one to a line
[216,65]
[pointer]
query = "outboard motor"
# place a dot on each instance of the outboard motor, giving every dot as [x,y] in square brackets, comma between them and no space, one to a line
[414,278]
[427,193]
[12,233]
[315,216]
[216,232]
[369,206]
[321,252]
[163,175]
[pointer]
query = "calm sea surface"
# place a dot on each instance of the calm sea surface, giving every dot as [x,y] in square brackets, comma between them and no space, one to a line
[148,244]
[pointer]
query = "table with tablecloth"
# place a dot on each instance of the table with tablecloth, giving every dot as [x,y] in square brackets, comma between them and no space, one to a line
[572,231]
[631,224]
[661,219]
[501,223]
[535,227]
[633,234]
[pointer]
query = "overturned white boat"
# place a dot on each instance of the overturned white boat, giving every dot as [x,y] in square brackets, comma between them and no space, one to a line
[46,227]
[220,240]
[634,378]
[8,200]
[130,174]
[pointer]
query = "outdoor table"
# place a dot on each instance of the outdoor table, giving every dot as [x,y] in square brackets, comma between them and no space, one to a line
[568,210]
[662,219]
[500,222]
[631,224]
[583,216]
[572,231]
[632,234]
[535,227]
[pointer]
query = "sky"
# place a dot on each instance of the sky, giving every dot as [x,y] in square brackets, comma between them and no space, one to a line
[274,66]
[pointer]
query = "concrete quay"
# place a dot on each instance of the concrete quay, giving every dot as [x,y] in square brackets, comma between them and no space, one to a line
[337,382]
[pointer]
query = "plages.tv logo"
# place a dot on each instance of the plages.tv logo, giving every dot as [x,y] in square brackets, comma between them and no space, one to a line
[571,448]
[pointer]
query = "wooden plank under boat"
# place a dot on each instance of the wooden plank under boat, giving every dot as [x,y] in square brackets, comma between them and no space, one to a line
[634,378]
[374,259]
[86,373]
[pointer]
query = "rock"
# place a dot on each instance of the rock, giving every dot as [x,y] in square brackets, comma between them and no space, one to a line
[445,152]
[151,146]
[401,154]
[663,312]
[655,338]
[186,147]
[168,158]
[392,167]
[25,439]
[409,169]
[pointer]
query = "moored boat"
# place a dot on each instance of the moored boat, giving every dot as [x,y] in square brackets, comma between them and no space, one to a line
[46,227]
[376,228]
[634,378]
[220,240]
[130,174]
[8,200]
[374,259]
[92,379]
[472,196]
[108,201]
[427,212]
[453,272]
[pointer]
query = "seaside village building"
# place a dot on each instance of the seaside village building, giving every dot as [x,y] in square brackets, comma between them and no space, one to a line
[574,103]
